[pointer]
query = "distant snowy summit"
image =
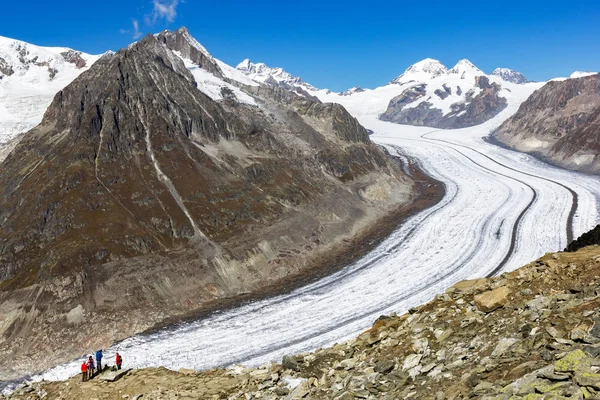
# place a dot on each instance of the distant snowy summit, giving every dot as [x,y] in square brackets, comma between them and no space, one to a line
[581,74]
[462,96]
[35,64]
[510,76]
[465,68]
[277,77]
[30,76]
[351,91]
[423,70]
[429,69]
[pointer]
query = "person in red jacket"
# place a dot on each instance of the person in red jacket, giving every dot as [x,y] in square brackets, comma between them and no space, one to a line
[84,371]
[119,361]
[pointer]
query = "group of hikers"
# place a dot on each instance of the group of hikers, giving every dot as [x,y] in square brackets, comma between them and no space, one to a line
[88,366]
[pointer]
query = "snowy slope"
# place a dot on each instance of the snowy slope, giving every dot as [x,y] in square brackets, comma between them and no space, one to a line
[509,75]
[214,87]
[581,74]
[422,71]
[30,76]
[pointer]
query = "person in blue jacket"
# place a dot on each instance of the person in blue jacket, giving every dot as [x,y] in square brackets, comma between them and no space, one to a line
[99,360]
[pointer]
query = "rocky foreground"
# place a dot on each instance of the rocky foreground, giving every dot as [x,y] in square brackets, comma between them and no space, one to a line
[530,334]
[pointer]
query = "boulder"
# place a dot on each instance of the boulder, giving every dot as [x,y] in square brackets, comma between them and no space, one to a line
[588,379]
[469,284]
[411,361]
[573,361]
[291,363]
[114,376]
[492,299]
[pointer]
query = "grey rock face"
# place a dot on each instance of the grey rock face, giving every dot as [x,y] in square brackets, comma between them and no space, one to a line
[395,108]
[5,68]
[560,122]
[74,57]
[181,41]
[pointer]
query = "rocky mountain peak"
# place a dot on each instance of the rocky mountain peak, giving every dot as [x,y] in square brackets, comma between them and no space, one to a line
[182,42]
[510,75]
[465,67]
[277,77]
[424,69]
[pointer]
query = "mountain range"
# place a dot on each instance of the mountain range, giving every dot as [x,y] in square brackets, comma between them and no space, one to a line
[158,182]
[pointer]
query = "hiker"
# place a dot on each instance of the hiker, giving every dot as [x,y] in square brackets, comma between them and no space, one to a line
[99,356]
[119,361]
[84,373]
[90,367]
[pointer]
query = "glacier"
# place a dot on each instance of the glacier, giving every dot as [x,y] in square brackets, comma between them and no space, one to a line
[502,209]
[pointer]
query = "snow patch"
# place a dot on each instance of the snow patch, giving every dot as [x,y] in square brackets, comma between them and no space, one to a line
[212,86]
[581,74]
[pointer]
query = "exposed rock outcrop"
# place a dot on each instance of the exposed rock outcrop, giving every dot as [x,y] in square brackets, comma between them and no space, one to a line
[74,57]
[275,77]
[587,239]
[5,68]
[559,122]
[144,193]
[352,90]
[543,344]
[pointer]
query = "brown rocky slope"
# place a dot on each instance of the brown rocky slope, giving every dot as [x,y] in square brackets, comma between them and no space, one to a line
[533,333]
[559,122]
[140,199]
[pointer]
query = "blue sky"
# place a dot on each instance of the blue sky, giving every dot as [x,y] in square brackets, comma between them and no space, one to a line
[334,44]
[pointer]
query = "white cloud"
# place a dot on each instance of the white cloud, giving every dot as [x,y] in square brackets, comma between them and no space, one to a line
[164,9]
[136,29]
[135,32]
[161,10]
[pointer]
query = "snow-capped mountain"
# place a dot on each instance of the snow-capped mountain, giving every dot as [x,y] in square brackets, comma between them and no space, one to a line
[423,70]
[433,95]
[430,94]
[465,69]
[510,76]
[260,72]
[30,76]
